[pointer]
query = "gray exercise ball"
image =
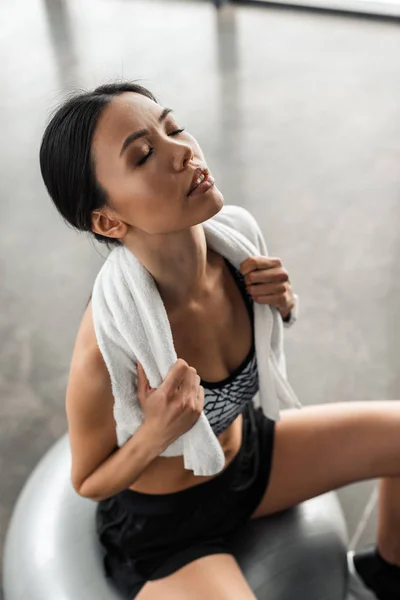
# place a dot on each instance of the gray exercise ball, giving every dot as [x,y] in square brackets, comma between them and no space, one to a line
[52,551]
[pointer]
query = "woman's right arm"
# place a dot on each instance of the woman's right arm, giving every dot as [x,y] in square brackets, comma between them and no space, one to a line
[98,469]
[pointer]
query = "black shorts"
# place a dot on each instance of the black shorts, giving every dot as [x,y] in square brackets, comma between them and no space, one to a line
[149,536]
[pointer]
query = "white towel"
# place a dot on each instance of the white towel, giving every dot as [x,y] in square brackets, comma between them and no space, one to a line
[131,325]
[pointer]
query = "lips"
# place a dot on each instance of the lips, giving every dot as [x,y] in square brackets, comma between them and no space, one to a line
[200,175]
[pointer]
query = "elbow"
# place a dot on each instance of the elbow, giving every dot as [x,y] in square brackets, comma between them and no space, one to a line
[81,489]
[85,490]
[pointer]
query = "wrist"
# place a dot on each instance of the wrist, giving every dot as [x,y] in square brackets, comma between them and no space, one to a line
[152,438]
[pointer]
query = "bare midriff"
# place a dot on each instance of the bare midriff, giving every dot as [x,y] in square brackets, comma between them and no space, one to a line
[166,475]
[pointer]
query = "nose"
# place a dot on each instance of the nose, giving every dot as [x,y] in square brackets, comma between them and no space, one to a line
[182,154]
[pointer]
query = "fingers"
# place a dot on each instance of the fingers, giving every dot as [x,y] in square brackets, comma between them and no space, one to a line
[182,382]
[139,373]
[143,382]
[259,262]
[270,300]
[268,289]
[175,376]
[199,403]
[276,275]
[189,384]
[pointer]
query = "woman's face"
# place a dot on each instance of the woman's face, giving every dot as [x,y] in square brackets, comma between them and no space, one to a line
[146,165]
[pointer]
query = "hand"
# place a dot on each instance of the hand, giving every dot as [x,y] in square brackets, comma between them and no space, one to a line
[268,283]
[173,408]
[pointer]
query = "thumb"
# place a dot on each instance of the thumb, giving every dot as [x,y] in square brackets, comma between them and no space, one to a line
[143,382]
[248,265]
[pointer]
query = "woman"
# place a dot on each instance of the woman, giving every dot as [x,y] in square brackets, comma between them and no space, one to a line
[118,165]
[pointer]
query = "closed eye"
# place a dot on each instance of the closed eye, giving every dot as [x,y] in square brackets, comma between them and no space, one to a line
[150,152]
[143,160]
[177,131]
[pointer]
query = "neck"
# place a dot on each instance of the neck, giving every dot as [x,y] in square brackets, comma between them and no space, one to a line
[179,262]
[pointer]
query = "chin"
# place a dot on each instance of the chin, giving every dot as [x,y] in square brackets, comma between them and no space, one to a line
[208,207]
[215,204]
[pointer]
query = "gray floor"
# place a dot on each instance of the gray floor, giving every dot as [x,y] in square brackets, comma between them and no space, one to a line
[299,117]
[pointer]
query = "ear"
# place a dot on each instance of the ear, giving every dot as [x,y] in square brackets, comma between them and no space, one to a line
[108,224]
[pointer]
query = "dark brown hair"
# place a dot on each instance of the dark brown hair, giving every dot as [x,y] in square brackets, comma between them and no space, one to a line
[66,160]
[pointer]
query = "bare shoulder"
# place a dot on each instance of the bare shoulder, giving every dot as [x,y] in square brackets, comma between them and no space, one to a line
[86,357]
[87,365]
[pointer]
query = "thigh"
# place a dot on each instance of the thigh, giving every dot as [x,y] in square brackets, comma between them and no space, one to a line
[217,576]
[321,448]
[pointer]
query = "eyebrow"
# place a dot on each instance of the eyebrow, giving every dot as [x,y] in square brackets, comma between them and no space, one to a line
[142,132]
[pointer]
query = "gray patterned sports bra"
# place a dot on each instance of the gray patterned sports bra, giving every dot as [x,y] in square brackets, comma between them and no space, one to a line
[225,400]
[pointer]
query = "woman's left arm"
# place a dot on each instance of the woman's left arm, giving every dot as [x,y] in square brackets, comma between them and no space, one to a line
[267,281]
